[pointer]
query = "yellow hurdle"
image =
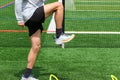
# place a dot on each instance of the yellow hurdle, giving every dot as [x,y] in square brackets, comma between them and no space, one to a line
[53,76]
[113,77]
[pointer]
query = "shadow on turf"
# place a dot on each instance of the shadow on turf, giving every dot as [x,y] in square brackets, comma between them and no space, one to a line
[38,71]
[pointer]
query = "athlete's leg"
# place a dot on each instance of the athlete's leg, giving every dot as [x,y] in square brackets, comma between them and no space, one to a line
[35,46]
[57,7]
[35,43]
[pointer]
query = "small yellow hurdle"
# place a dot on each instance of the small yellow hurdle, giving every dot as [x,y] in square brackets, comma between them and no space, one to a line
[53,76]
[113,77]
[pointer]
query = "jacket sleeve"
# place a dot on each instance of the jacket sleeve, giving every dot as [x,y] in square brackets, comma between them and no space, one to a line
[18,10]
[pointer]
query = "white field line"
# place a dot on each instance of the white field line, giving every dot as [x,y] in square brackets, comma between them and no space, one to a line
[97,1]
[100,5]
[86,32]
[92,32]
[99,10]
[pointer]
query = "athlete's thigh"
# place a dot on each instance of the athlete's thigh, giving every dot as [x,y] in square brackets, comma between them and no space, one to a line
[35,38]
[50,8]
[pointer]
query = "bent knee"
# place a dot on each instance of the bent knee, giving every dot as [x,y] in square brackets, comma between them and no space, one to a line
[36,47]
[60,5]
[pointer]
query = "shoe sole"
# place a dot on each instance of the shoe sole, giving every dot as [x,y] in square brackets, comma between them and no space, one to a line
[65,41]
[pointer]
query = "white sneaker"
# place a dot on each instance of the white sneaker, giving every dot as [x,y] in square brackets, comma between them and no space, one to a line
[29,78]
[64,39]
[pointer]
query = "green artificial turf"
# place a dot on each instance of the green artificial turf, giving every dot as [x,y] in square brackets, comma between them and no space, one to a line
[87,57]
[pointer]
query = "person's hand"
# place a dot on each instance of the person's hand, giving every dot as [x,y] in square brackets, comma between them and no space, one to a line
[21,24]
